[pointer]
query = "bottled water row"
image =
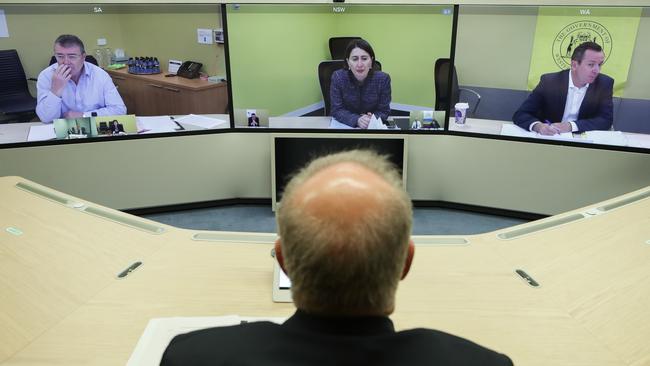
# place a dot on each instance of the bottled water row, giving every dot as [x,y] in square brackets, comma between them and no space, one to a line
[143,65]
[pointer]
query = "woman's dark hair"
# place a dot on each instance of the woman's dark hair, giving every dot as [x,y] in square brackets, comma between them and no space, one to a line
[359,43]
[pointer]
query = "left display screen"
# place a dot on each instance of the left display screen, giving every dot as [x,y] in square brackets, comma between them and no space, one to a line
[140,69]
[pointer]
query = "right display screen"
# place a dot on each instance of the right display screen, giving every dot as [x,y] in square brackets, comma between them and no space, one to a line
[570,74]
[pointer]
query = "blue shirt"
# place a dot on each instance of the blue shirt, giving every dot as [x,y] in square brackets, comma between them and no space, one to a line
[350,99]
[95,92]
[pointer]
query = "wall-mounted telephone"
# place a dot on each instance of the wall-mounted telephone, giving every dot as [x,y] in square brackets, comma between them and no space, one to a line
[189,69]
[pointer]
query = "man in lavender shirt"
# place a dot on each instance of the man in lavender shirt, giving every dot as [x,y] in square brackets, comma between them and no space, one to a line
[358,91]
[73,88]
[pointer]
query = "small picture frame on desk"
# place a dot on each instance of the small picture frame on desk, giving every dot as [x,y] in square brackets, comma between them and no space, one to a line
[218,36]
[173,66]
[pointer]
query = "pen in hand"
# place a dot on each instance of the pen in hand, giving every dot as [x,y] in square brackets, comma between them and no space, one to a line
[550,125]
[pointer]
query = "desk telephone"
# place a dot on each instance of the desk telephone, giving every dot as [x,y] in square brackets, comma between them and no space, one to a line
[189,69]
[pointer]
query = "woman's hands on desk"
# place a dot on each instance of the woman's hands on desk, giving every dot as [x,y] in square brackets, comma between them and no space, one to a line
[364,120]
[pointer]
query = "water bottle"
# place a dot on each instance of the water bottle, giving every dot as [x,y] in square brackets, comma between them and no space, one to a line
[99,56]
[107,57]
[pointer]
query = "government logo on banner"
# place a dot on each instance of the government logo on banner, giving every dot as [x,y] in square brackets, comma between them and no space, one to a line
[560,30]
[575,34]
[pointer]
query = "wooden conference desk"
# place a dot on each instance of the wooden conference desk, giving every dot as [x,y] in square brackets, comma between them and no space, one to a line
[63,305]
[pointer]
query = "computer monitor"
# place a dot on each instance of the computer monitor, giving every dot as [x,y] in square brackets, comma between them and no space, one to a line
[289,153]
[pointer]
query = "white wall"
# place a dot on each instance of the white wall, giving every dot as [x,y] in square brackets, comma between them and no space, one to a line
[528,177]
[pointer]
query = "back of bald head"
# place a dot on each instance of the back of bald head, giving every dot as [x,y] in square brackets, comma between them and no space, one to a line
[344,225]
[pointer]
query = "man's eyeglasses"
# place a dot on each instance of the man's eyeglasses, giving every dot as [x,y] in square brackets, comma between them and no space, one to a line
[72,56]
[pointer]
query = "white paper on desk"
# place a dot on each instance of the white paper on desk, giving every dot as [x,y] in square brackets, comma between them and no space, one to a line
[160,331]
[606,137]
[41,132]
[202,121]
[338,125]
[508,129]
[638,140]
[4,31]
[376,124]
[156,124]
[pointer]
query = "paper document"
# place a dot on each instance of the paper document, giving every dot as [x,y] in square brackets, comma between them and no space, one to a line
[508,129]
[376,124]
[160,331]
[41,132]
[336,124]
[4,30]
[156,124]
[638,140]
[606,137]
[202,121]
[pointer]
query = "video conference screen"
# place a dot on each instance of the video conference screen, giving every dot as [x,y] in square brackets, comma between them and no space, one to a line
[288,69]
[285,75]
[568,74]
[135,82]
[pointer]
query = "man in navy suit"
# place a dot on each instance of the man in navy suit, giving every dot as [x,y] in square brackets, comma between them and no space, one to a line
[574,100]
[344,241]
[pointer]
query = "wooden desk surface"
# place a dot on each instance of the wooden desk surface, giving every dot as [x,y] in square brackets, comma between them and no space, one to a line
[62,304]
[174,81]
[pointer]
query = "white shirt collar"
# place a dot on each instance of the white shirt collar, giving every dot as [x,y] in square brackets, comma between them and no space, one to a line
[86,69]
[571,85]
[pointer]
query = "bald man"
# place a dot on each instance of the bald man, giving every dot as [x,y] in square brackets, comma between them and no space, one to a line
[344,225]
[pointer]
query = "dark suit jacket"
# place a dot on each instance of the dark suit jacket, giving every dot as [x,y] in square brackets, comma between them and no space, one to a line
[253,119]
[309,340]
[548,99]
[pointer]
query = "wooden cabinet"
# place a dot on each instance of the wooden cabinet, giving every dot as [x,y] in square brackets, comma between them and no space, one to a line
[157,95]
[125,88]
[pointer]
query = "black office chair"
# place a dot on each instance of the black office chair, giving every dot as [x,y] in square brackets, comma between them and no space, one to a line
[103,128]
[16,103]
[441,81]
[338,46]
[89,58]
[325,71]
